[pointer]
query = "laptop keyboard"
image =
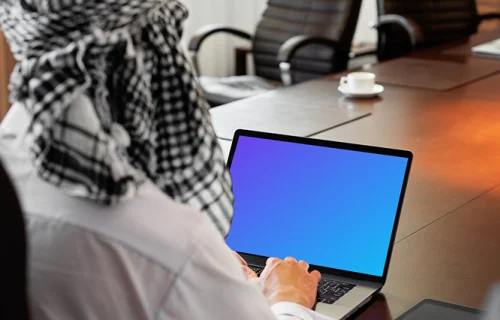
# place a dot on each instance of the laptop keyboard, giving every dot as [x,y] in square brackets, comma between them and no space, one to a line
[257,270]
[329,291]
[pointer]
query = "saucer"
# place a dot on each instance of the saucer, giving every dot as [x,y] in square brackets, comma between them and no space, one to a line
[377,89]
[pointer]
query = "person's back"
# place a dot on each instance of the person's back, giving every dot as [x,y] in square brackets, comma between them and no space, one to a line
[118,168]
[145,259]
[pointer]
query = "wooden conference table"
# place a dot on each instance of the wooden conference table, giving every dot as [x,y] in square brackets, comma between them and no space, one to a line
[448,115]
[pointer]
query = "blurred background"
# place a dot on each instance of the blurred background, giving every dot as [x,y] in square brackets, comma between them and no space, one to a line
[217,54]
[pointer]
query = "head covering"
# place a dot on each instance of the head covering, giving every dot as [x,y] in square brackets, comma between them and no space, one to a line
[143,115]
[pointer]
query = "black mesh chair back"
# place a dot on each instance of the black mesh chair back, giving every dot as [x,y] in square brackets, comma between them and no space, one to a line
[284,19]
[437,21]
[441,20]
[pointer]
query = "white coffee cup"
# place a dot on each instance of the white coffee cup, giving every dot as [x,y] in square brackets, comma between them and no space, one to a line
[359,82]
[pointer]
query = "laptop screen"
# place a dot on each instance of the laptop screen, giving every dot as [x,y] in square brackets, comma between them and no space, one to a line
[334,208]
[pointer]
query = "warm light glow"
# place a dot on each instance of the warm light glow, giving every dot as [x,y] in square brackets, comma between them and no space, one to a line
[472,153]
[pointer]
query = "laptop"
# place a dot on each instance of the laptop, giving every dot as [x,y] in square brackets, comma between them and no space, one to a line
[334,205]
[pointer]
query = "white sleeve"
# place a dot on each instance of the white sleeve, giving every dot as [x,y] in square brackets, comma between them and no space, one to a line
[293,311]
[213,286]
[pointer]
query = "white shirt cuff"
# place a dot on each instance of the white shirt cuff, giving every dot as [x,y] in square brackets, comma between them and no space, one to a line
[290,310]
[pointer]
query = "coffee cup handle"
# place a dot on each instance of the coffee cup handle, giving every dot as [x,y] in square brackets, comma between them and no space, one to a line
[343,81]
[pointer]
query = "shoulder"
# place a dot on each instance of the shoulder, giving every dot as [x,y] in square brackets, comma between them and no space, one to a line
[151,224]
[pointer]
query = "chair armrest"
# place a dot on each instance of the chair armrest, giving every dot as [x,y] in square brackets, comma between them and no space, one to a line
[413,30]
[203,33]
[489,16]
[206,31]
[288,50]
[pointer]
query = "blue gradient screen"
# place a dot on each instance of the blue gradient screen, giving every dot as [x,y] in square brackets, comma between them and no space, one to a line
[333,208]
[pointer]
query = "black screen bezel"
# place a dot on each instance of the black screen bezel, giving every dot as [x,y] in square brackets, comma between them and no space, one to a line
[260,260]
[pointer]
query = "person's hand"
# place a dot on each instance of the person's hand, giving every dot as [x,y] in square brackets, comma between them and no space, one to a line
[251,275]
[290,281]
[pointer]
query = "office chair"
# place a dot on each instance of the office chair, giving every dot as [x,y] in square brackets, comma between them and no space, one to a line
[408,25]
[13,290]
[295,41]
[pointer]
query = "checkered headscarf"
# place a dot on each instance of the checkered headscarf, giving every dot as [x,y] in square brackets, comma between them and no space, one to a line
[114,101]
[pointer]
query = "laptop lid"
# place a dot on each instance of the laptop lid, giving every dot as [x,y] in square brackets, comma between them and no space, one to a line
[335,205]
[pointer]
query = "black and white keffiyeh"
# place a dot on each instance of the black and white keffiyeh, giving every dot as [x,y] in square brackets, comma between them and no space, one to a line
[142,116]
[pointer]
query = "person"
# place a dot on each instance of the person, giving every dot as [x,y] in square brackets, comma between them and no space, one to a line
[113,154]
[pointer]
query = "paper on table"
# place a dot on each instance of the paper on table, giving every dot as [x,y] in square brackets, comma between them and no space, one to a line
[492,47]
